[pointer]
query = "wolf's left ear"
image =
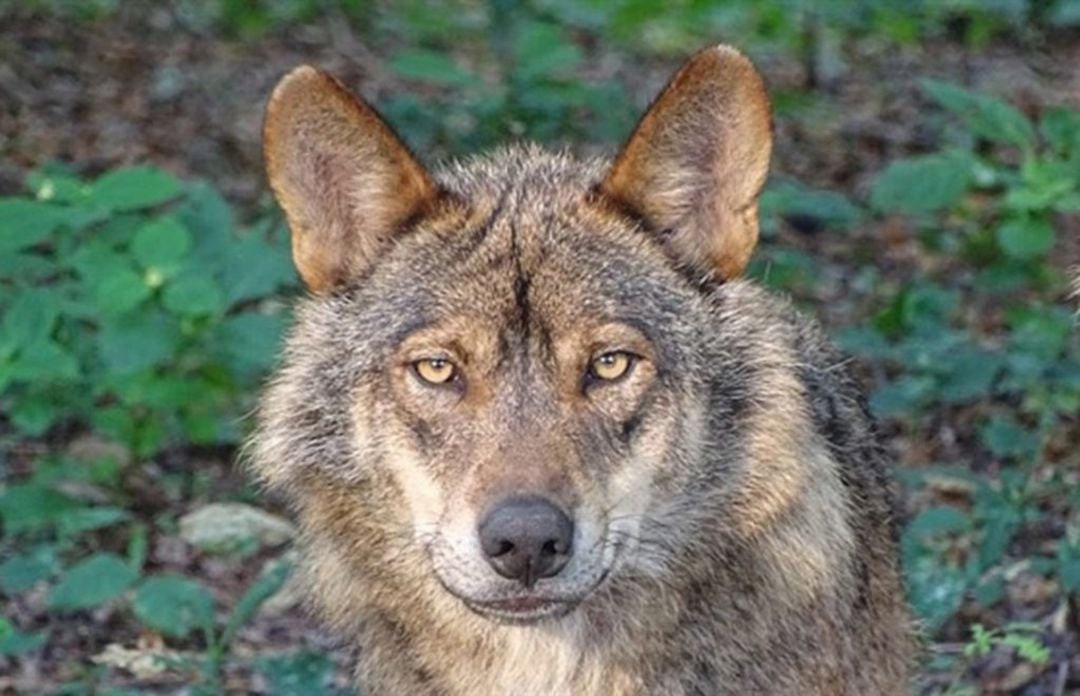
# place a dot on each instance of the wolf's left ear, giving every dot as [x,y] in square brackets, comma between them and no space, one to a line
[696,162]
[345,181]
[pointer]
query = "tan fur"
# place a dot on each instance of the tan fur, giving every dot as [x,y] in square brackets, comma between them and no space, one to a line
[337,168]
[731,509]
[715,112]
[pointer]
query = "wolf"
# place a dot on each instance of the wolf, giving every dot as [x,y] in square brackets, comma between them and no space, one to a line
[539,435]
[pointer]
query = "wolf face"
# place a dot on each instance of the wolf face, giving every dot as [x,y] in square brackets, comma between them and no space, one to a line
[526,397]
[521,356]
[534,393]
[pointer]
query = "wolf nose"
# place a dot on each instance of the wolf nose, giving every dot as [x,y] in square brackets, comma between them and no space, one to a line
[526,538]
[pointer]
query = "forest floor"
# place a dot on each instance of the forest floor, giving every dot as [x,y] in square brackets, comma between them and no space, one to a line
[123,92]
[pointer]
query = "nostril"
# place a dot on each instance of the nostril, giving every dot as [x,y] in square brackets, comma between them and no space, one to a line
[552,547]
[502,548]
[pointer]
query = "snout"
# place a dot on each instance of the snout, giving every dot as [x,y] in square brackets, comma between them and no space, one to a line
[522,557]
[526,538]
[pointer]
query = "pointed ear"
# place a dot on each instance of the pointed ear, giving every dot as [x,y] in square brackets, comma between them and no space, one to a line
[696,162]
[345,181]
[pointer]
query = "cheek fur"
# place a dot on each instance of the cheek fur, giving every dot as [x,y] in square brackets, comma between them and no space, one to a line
[621,401]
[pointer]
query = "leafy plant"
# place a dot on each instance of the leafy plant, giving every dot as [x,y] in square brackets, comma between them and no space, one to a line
[171,605]
[134,307]
[182,605]
[91,582]
[1021,637]
[302,672]
[984,337]
[524,81]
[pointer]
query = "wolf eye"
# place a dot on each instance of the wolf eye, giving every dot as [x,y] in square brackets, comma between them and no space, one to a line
[435,370]
[611,366]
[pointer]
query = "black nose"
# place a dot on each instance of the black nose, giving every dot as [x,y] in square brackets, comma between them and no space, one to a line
[526,538]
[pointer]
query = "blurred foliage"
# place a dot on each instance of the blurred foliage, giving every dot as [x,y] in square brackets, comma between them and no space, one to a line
[988,201]
[654,26]
[136,309]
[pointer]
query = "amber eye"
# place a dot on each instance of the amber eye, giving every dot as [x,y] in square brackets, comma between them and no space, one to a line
[435,370]
[611,366]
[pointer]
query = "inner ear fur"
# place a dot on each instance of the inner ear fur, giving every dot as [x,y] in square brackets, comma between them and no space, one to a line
[695,164]
[344,180]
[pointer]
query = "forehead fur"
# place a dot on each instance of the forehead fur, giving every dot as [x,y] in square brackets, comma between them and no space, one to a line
[521,173]
[522,233]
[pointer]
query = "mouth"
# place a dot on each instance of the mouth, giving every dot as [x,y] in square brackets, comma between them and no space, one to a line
[527,607]
[522,610]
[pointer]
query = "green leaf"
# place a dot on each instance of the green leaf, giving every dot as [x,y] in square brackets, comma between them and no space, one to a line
[168,392]
[430,66]
[255,269]
[1029,648]
[55,186]
[936,590]
[905,395]
[1045,184]
[34,414]
[18,643]
[208,217]
[25,223]
[542,49]
[20,573]
[269,583]
[92,582]
[1042,332]
[1069,566]
[30,318]
[864,342]
[1065,13]
[986,116]
[136,342]
[302,672]
[252,340]
[120,291]
[1006,438]
[923,184]
[80,520]
[173,605]
[989,591]
[44,361]
[827,209]
[997,533]
[134,188]
[934,521]
[193,295]
[927,306]
[1060,127]
[30,507]
[25,266]
[969,374]
[1025,238]
[161,243]
[94,260]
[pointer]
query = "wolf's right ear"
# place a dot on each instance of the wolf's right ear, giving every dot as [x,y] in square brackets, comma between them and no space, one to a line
[345,181]
[696,162]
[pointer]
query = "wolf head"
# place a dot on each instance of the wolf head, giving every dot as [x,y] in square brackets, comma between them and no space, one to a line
[508,371]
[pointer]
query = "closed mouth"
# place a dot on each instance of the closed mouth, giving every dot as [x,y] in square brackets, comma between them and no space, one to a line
[522,610]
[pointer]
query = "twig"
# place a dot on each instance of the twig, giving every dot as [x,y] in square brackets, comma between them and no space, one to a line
[1062,677]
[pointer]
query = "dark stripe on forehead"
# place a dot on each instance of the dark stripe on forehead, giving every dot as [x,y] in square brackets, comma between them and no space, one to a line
[521,284]
[471,241]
